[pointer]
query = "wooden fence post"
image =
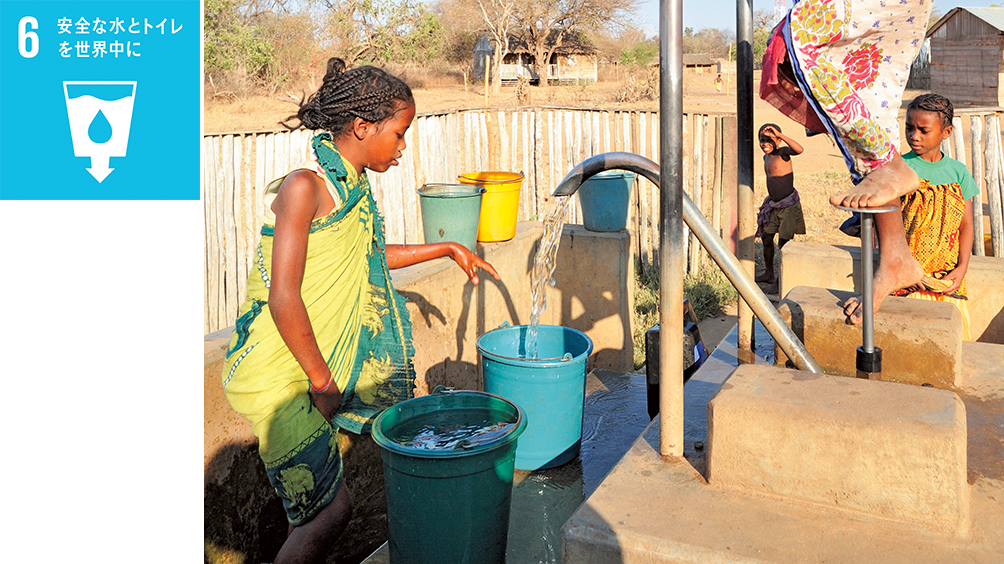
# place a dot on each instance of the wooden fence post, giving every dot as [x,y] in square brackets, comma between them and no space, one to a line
[697,158]
[993,177]
[976,148]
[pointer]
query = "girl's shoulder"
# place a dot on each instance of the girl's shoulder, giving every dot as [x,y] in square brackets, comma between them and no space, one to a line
[309,170]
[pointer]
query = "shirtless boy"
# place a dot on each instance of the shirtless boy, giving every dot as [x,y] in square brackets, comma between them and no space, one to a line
[781,211]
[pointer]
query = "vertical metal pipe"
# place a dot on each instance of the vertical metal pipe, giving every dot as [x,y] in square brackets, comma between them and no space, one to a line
[744,159]
[671,221]
[867,299]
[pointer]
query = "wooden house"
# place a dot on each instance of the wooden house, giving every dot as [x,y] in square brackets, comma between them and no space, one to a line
[699,63]
[574,61]
[966,51]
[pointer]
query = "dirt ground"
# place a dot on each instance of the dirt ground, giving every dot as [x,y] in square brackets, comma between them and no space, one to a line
[819,170]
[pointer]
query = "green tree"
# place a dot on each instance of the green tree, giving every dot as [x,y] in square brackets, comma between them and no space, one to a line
[232,44]
[640,54]
[382,31]
[760,38]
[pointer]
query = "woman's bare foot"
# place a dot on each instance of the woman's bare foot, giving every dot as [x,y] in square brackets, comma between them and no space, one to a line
[882,186]
[899,272]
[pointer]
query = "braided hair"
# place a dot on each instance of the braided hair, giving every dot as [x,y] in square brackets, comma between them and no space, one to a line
[934,103]
[366,92]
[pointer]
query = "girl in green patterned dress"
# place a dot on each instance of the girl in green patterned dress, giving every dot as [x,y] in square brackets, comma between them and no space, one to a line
[323,341]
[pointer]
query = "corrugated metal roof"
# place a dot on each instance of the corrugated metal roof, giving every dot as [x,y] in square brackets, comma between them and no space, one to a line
[993,16]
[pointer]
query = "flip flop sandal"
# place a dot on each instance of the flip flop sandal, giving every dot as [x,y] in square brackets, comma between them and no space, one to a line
[936,284]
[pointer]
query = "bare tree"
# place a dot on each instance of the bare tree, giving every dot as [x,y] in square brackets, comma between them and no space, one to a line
[546,23]
[499,17]
[710,41]
[763,19]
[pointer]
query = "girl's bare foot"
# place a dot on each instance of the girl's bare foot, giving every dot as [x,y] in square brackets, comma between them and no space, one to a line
[882,186]
[893,274]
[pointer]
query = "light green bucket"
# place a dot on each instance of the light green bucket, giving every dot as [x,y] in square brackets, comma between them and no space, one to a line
[451,212]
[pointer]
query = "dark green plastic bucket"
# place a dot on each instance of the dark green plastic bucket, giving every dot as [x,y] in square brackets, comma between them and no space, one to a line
[448,505]
[451,212]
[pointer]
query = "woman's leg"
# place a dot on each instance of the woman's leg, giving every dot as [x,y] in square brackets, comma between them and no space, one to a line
[897,267]
[312,541]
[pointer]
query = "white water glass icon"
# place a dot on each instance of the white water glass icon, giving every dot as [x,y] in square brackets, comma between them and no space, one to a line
[100,115]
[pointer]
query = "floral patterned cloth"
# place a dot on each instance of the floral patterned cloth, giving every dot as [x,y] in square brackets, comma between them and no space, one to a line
[850,60]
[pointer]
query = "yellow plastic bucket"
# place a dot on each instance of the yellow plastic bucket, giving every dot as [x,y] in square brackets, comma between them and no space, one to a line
[499,203]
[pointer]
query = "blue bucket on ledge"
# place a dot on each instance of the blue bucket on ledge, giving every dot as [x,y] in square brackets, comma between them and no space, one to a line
[550,389]
[605,198]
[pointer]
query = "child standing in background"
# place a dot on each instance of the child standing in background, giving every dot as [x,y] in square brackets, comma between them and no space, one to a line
[938,216]
[323,341]
[781,211]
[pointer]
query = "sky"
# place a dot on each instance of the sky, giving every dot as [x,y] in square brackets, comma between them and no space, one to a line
[721,14]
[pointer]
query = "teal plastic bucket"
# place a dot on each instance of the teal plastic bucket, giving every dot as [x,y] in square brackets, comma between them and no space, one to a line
[451,212]
[551,388]
[448,505]
[605,198]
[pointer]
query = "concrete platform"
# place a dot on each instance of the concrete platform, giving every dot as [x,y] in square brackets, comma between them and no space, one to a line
[881,448]
[651,510]
[839,267]
[920,340]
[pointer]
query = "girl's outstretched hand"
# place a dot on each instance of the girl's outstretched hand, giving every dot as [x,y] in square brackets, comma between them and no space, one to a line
[400,256]
[470,262]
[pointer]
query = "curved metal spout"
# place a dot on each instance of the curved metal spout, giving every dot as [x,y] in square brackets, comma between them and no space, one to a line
[599,163]
[705,233]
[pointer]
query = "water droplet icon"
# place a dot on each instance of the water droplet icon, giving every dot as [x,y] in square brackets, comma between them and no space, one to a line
[100,131]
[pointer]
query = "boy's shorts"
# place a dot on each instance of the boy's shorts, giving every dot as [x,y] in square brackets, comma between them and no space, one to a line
[308,479]
[787,222]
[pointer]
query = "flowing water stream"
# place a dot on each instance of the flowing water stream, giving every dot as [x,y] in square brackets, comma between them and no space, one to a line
[543,267]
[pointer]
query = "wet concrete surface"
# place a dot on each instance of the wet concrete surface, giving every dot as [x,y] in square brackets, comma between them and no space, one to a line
[614,415]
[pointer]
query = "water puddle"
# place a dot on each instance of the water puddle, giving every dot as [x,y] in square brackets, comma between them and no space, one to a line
[763,343]
[614,415]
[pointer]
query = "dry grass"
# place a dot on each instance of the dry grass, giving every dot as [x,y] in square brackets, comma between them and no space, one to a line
[708,291]
[439,91]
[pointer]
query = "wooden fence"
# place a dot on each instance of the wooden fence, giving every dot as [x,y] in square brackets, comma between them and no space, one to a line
[985,160]
[543,143]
